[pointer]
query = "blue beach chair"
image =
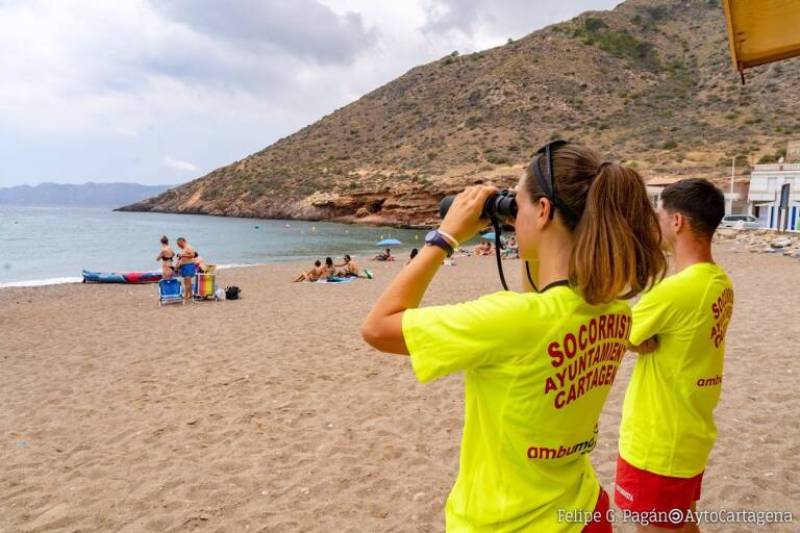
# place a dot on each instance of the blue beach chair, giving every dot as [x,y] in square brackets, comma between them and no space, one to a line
[170,291]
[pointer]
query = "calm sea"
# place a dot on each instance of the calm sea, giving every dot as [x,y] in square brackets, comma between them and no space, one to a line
[40,245]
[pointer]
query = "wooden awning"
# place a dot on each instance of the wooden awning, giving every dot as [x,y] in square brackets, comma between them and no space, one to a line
[762,31]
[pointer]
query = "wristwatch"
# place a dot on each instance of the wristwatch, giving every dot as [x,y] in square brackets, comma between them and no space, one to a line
[437,238]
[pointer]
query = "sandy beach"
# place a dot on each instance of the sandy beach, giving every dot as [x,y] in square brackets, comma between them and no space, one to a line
[270,414]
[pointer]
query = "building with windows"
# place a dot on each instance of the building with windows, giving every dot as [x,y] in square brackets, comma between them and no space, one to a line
[768,187]
[656,185]
[735,193]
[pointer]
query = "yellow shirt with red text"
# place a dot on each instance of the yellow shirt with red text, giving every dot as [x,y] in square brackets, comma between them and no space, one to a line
[667,419]
[538,369]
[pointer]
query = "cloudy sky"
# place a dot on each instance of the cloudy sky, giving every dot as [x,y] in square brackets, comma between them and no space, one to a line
[163,91]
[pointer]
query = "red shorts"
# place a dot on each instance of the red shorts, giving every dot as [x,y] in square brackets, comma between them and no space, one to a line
[601,524]
[639,491]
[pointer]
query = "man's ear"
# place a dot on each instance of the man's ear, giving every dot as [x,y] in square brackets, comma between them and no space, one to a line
[679,222]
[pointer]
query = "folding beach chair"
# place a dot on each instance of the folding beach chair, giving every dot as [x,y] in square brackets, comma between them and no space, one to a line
[170,291]
[204,286]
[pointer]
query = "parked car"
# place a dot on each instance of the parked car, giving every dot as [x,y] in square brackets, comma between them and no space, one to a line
[740,221]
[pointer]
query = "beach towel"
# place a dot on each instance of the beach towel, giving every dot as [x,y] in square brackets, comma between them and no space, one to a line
[336,279]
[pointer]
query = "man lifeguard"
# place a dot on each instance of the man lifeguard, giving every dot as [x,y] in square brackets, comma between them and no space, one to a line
[679,327]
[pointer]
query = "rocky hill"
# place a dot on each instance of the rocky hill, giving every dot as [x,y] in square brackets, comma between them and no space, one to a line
[650,83]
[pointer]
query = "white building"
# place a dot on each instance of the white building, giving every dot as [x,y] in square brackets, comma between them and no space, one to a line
[763,200]
[735,194]
[656,186]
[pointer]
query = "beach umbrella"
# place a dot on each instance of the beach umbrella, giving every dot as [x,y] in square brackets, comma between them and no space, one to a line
[389,242]
[490,236]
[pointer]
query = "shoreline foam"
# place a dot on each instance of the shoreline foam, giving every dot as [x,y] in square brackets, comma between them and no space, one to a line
[39,282]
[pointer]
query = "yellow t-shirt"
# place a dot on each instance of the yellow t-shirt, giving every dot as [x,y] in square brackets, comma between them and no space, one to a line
[538,368]
[667,418]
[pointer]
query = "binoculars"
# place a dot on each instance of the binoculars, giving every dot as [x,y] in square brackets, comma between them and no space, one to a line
[500,206]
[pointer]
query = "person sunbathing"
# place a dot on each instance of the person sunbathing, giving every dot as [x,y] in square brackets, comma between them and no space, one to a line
[312,275]
[484,248]
[349,268]
[511,250]
[165,257]
[328,270]
[384,256]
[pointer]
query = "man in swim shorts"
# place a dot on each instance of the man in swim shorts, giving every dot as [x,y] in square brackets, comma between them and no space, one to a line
[187,268]
[679,328]
[349,268]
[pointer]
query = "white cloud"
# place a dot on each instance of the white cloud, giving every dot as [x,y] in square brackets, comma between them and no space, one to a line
[177,164]
[133,80]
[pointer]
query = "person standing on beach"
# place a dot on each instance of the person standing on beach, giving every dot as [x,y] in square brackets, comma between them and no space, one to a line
[679,328]
[187,267]
[165,257]
[538,366]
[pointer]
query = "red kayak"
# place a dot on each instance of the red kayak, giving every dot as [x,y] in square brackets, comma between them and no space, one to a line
[124,277]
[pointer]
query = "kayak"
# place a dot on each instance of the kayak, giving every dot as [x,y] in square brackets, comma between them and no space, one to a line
[124,277]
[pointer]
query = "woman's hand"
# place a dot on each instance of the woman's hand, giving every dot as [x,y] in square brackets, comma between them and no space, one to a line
[463,219]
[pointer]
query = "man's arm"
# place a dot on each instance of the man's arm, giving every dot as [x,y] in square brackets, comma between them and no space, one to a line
[651,317]
[648,346]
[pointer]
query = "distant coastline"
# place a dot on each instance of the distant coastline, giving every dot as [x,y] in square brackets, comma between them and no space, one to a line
[375,221]
[88,194]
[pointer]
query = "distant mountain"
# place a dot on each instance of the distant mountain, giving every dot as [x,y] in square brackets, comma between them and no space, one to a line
[649,83]
[85,195]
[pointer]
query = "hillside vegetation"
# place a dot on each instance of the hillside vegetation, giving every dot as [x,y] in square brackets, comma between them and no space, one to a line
[649,83]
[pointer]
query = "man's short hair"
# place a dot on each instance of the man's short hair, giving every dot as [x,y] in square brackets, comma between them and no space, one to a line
[698,200]
[180,239]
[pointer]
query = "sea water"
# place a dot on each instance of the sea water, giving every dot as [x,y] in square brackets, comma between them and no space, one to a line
[42,245]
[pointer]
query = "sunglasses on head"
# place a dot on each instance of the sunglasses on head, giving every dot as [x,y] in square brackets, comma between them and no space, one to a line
[547,182]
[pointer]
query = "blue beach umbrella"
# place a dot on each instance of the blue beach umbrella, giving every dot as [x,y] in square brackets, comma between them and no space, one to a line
[389,242]
[490,236]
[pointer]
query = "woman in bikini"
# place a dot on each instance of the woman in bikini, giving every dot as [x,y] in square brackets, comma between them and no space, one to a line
[165,257]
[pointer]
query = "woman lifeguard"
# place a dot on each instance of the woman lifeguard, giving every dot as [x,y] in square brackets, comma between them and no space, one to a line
[538,365]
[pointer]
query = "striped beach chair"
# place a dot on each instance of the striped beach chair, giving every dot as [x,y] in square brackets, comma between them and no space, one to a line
[204,286]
